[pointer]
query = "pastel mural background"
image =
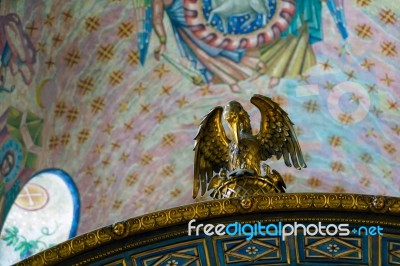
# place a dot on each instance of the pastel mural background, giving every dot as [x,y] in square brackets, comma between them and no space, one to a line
[124,130]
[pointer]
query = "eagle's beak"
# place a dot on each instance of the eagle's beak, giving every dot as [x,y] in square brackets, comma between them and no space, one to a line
[235,134]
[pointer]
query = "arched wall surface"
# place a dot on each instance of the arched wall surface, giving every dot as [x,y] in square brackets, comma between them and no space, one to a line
[124,131]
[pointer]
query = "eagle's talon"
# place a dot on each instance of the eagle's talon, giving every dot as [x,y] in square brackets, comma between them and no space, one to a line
[223,174]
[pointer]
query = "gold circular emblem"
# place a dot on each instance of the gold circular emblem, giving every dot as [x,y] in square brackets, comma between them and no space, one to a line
[119,229]
[246,203]
[32,197]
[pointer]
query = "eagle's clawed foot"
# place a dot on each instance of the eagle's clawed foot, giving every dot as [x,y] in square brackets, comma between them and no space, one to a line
[267,169]
[217,180]
[278,181]
[223,173]
[274,177]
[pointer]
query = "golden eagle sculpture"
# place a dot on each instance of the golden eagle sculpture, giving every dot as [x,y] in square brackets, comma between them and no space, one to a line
[237,160]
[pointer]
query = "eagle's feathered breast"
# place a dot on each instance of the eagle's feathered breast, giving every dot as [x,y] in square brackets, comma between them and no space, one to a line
[245,155]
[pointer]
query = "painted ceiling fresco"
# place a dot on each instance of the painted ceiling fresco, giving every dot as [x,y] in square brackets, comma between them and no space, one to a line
[89,88]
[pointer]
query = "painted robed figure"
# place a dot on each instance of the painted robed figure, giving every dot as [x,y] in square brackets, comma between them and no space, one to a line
[229,43]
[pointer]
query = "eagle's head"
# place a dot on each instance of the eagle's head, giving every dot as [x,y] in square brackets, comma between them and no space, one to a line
[237,118]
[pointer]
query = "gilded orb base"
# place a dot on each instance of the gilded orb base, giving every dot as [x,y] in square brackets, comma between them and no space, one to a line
[246,186]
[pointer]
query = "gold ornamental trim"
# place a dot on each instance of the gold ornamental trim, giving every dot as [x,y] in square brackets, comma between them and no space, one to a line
[285,202]
[98,256]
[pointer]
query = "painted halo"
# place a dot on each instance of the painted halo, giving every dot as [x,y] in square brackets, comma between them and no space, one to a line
[263,29]
[10,160]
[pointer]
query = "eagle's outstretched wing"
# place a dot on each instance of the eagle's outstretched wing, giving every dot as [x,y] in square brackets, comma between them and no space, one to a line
[211,150]
[143,19]
[277,135]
